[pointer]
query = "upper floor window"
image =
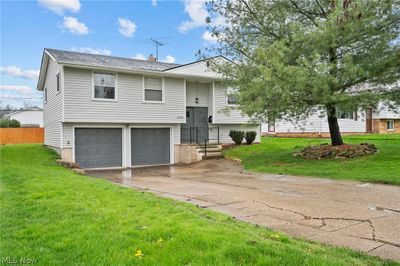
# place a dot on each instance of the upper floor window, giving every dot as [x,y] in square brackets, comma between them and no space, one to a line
[104,86]
[231,97]
[58,82]
[153,89]
[390,125]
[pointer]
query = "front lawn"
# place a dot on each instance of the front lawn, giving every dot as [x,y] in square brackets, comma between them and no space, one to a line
[56,216]
[274,155]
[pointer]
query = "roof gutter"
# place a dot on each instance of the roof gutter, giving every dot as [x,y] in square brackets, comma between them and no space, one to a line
[139,71]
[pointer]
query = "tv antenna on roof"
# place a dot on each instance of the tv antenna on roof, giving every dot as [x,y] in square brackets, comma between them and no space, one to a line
[157,43]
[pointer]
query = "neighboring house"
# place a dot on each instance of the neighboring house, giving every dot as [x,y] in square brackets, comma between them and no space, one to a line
[381,120]
[104,111]
[385,120]
[31,117]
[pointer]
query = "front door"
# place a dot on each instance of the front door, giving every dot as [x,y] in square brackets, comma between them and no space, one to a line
[196,127]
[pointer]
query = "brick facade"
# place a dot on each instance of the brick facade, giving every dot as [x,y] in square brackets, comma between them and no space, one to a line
[380,126]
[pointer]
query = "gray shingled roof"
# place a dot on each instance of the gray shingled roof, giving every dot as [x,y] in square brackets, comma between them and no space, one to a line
[108,61]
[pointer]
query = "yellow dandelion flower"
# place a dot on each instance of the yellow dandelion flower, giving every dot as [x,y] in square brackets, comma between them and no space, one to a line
[138,253]
[160,240]
[274,236]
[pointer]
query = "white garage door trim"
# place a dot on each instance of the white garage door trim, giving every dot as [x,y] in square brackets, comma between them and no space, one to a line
[171,143]
[100,126]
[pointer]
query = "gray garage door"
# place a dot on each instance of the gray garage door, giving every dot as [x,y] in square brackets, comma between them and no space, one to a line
[150,146]
[98,147]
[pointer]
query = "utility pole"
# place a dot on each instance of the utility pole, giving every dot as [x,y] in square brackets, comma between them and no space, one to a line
[157,43]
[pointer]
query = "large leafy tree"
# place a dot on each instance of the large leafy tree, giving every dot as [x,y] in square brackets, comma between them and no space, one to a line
[292,57]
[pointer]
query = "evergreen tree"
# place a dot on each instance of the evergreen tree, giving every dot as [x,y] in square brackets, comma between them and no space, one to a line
[293,57]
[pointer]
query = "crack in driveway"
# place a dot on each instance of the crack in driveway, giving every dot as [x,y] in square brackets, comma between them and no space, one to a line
[330,211]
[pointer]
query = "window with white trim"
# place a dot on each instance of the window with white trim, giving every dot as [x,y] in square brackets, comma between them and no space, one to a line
[231,97]
[390,125]
[345,114]
[104,86]
[58,82]
[153,89]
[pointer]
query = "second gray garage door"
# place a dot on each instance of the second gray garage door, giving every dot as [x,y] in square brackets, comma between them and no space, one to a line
[150,146]
[98,147]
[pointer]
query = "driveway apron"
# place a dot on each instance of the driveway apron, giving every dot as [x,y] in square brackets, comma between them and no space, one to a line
[356,215]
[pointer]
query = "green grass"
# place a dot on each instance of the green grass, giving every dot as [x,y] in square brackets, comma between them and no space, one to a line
[274,155]
[56,216]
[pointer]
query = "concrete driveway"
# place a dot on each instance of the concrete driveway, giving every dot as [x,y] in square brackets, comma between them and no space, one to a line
[357,215]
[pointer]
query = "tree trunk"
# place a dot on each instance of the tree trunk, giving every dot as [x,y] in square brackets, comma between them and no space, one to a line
[336,137]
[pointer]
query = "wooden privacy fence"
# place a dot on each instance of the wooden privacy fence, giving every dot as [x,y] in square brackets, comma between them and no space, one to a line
[21,135]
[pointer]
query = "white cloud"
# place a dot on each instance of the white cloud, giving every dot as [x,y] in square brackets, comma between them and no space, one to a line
[18,72]
[169,59]
[198,14]
[139,56]
[91,50]
[74,26]
[126,27]
[16,88]
[154,2]
[209,37]
[59,6]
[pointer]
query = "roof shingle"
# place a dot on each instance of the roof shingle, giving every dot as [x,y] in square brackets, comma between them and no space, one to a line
[108,61]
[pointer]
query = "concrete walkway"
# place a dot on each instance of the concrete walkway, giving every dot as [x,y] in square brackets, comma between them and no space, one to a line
[360,216]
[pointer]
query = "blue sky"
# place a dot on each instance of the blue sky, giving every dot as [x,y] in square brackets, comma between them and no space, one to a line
[118,28]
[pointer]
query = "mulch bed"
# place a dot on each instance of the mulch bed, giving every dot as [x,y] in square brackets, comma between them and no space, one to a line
[326,151]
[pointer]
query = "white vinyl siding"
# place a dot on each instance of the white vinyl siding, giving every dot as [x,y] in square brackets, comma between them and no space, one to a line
[225,114]
[225,129]
[29,117]
[130,107]
[318,123]
[153,89]
[197,94]
[52,110]
[383,112]
[198,69]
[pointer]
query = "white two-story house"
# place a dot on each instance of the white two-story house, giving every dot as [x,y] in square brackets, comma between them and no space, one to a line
[104,111]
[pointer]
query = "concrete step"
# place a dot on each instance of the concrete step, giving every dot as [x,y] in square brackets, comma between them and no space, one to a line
[210,146]
[209,157]
[210,153]
[209,149]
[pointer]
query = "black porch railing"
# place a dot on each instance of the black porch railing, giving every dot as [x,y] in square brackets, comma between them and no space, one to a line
[200,135]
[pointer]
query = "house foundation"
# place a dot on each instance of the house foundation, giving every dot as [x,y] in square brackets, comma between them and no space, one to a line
[187,153]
